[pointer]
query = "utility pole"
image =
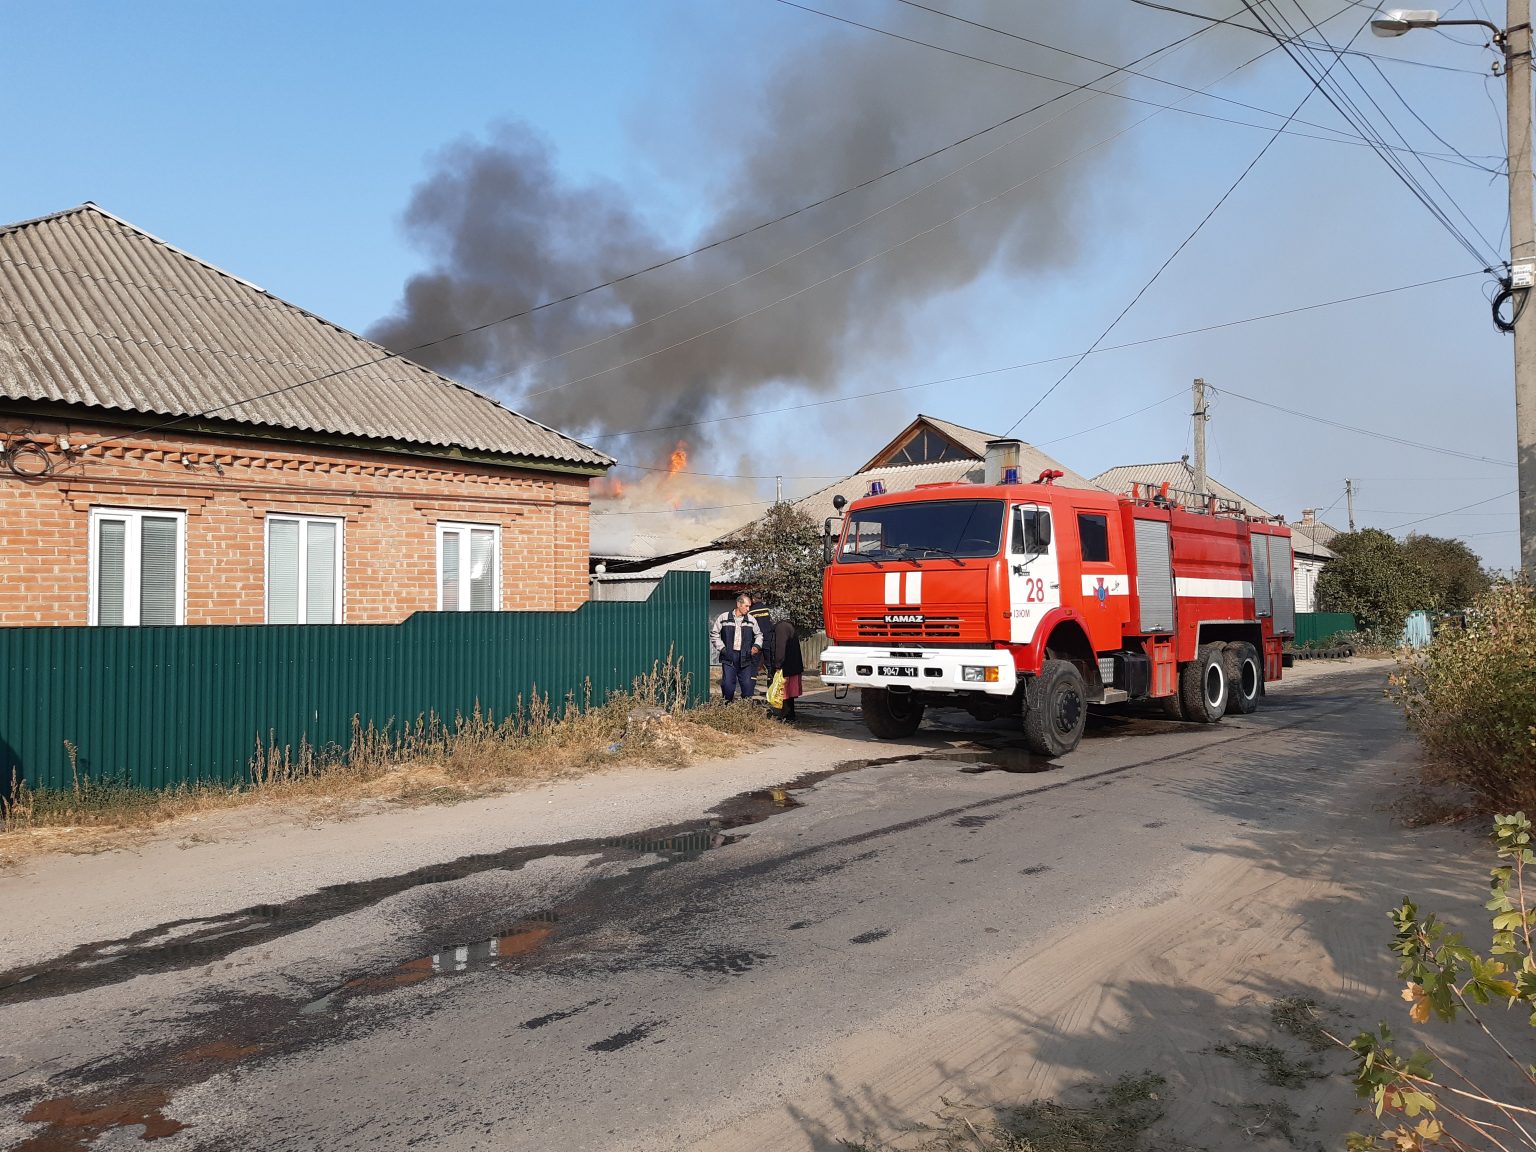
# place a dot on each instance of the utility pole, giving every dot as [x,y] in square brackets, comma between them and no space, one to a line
[1200,419]
[778,489]
[1349,497]
[1522,259]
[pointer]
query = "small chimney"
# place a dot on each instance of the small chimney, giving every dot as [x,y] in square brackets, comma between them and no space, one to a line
[1001,455]
[1308,517]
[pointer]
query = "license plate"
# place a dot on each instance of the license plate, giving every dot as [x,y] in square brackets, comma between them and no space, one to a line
[898,670]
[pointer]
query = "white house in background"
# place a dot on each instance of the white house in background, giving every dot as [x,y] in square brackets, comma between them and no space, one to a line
[1307,538]
[1310,537]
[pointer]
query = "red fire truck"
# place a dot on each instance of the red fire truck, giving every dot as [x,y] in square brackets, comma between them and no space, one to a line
[1035,600]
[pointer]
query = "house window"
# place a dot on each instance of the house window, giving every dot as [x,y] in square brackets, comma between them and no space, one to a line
[303,570]
[927,448]
[137,558]
[1093,534]
[468,567]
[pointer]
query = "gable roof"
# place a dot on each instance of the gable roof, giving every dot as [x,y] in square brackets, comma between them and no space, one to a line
[905,477]
[966,439]
[1179,477]
[1312,539]
[99,313]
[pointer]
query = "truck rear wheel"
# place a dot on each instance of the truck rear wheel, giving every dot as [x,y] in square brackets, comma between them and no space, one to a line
[890,715]
[1203,685]
[1055,709]
[1245,679]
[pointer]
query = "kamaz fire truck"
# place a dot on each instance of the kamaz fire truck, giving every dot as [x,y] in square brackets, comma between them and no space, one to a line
[1037,600]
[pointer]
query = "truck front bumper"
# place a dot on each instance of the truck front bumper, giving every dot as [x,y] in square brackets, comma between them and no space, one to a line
[921,669]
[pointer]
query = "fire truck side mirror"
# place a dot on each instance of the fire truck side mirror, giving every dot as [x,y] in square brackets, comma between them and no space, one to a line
[829,536]
[1041,524]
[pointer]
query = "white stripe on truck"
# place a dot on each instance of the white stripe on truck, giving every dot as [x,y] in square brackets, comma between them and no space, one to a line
[1213,589]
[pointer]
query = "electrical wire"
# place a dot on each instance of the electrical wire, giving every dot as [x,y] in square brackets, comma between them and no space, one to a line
[1453,511]
[1387,436]
[1145,288]
[1107,423]
[1341,137]
[1345,106]
[1264,32]
[1029,363]
[1401,99]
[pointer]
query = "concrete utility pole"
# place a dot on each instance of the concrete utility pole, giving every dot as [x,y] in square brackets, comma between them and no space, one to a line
[1522,259]
[1349,497]
[1200,419]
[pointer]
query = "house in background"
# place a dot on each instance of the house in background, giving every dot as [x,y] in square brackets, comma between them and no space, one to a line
[1311,554]
[1310,537]
[180,446]
[926,451]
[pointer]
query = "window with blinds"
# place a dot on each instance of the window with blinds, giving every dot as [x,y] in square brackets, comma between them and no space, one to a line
[137,558]
[468,567]
[303,570]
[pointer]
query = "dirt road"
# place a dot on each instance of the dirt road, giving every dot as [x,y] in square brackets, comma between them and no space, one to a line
[646,961]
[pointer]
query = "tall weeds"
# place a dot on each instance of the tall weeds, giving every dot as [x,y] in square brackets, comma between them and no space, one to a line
[431,758]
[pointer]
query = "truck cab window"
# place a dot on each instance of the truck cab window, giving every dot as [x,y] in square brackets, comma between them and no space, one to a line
[1093,535]
[958,529]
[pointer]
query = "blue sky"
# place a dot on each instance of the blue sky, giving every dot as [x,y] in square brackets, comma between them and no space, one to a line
[283,142]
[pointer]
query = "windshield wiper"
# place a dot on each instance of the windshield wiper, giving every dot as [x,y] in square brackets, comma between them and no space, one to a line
[944,552]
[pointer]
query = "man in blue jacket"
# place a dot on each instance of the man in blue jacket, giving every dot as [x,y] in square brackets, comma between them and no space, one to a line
[737,639]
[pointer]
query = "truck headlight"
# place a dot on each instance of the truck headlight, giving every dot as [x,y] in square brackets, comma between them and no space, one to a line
[831,667]
[978,674]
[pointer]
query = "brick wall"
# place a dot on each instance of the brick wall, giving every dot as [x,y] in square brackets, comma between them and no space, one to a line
[389,504]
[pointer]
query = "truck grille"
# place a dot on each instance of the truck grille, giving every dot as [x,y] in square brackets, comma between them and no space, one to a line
[932,628]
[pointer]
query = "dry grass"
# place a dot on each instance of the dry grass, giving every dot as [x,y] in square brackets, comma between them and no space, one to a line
[428,762]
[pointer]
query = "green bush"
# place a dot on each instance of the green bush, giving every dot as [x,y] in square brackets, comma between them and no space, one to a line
[1471,698]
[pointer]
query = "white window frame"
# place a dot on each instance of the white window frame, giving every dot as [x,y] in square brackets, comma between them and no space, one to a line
[133,568]
[462,526]
[303,520]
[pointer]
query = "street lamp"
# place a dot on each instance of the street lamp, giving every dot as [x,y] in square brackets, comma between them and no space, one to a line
[1399,20]
[1514,42]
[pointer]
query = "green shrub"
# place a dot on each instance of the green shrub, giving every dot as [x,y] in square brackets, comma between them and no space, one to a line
[1471,698]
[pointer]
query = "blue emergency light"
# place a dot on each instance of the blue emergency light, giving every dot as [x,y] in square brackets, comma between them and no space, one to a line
[877,487]
[1010,475]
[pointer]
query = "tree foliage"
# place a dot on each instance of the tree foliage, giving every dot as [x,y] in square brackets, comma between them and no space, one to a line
[779,560]
[1471,698]
[1375,579]
[1455,571]
[1445,979]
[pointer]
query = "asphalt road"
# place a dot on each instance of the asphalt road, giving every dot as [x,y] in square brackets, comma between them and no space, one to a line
[645,991]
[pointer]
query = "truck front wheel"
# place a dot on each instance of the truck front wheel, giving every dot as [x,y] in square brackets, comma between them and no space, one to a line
[890,715]
[1055,709]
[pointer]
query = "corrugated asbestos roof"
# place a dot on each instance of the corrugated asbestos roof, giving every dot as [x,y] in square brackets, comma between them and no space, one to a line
[96,312]
[1179,477]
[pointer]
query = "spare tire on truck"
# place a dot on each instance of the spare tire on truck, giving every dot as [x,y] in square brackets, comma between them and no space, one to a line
[1055,709]
[890,715]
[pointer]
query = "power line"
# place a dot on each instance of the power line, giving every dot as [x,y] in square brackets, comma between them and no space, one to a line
[1399,440]
[1355,116]
[1032,363]
[1271,35]
[1171,257]
[1341,137]
[1116,420]
[1453,511]
[1171,83]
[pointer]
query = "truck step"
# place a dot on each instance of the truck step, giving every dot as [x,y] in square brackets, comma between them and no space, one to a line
[1111,696]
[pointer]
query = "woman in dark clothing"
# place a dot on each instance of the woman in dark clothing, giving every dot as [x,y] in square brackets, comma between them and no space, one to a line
[785,647]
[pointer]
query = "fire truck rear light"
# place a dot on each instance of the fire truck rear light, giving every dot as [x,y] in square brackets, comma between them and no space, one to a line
[978,674]
[831,667]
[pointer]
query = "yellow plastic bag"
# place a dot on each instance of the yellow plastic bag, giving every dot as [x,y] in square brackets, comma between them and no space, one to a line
[776,690]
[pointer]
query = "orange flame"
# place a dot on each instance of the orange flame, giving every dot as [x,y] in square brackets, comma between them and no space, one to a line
[679,459]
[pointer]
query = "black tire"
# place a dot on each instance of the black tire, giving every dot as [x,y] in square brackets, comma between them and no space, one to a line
[1203,685]
[1055,709]
[1245,679]
[890,715]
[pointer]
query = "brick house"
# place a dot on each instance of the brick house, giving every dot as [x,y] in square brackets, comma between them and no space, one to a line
[179,446]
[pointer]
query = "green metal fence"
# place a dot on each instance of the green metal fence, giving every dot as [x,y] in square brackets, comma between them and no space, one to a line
[164,706]
[1314,626]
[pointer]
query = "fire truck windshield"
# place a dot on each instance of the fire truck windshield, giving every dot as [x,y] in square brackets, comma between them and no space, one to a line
[957,529]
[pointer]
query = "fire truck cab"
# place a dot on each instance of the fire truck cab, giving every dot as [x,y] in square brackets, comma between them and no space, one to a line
[1028,599]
